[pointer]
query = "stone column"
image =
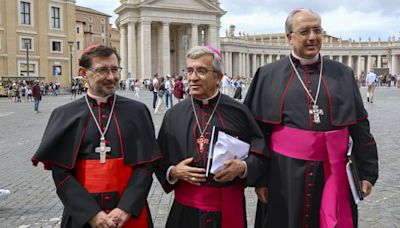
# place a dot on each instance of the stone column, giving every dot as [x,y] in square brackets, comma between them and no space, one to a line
[394,65]
[166,60]
[378,61]
[262,60]
[269,58]
[368,63]
[145,49]
[195,35]
[240,65]
[341,58]
[132,52]
[349,62]
[230,62]
[212,37]
[123,52]
[254,65]
[359,70]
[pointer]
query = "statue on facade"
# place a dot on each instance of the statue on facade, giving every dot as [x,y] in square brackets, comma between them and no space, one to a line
[231,31]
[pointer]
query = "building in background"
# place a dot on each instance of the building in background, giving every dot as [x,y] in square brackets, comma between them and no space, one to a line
[114,38]
[92,27]
[34,40]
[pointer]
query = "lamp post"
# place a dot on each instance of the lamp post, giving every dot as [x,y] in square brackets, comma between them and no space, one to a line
[70,44]
[26,43]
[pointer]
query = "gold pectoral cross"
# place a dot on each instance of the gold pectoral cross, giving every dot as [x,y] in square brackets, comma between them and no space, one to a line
[202,141]
[102,149]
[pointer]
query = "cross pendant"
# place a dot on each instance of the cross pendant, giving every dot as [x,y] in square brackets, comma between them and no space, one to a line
[102,149]
[316,114]
[202,141]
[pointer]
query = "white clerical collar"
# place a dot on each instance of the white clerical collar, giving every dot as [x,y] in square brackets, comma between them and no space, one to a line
[98,98]
[304,61]
[205,101]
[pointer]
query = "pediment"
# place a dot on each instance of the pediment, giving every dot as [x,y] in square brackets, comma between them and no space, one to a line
[201,5]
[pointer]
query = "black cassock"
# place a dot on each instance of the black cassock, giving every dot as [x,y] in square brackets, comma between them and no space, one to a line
[177,140]
[276,97]
[68,146]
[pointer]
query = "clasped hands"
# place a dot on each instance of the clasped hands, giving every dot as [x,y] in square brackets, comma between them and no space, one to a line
[116,218]
[194,175]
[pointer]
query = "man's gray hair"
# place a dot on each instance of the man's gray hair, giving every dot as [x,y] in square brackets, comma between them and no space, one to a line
[289,19]
[198,51]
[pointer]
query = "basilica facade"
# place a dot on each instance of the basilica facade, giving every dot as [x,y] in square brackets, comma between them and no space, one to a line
[156,34]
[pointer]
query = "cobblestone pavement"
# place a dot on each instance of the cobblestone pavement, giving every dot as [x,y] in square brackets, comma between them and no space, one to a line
[34,203]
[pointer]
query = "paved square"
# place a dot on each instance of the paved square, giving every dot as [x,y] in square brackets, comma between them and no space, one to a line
[34,203]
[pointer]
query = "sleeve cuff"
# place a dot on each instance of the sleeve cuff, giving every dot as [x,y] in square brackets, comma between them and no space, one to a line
[172,181]
[244,175]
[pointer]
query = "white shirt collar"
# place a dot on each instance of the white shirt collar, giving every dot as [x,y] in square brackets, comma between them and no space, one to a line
[304,61]
[98,98]
[205,101]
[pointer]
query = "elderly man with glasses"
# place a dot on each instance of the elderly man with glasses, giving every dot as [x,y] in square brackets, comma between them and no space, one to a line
[308,107]
[101,149]
[187,132]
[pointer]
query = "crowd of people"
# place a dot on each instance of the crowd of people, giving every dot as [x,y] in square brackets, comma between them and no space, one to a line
[293,129]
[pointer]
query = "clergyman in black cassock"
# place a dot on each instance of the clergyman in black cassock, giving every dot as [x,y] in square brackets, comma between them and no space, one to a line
[214,201]
[112,192]
[307,107]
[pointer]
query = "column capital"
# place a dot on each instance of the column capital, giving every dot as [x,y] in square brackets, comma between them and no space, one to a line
[145,22]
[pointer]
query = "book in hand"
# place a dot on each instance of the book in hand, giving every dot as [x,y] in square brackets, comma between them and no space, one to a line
[224,146]
[352,175]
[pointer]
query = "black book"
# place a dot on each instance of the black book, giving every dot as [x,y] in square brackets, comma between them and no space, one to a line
[352,175]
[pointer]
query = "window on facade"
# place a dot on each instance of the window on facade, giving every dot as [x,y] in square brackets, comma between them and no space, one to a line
[56,46]
[102,29]
[26,42]
[78,45]
[24,69]
[25,8]
[77,30]
[90,28]
[57,70]
[55,17]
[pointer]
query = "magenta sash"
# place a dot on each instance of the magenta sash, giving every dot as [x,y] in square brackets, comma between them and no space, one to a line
[329,147]
[227,200]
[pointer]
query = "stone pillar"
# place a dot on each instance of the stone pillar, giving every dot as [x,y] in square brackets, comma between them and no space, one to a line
[341,58]
[230,63]
[262,60]
[123,52]
[166,60]
[254,67]
[212,37]
[394,65]
[195,35]
[368,63]
[349,62]
[145,49]
[132,52]
[269,58]
[378,61]
[359,70]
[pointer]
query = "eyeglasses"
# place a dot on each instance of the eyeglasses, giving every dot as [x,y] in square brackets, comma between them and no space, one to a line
[105,70]
[305,32]
[201,71]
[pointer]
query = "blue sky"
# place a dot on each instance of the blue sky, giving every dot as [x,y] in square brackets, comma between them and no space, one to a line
[340,18]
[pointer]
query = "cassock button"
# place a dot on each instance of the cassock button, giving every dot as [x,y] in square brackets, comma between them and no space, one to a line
[206,114]
[308,194]
[311,174]
[310,90]
[103,128]
[107,198]
[310,185]
[307,216]
[308,205]
[104,116]
[309,81]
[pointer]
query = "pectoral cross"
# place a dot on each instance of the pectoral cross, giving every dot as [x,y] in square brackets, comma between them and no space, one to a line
[316,114]
[202,141]
[102,150]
